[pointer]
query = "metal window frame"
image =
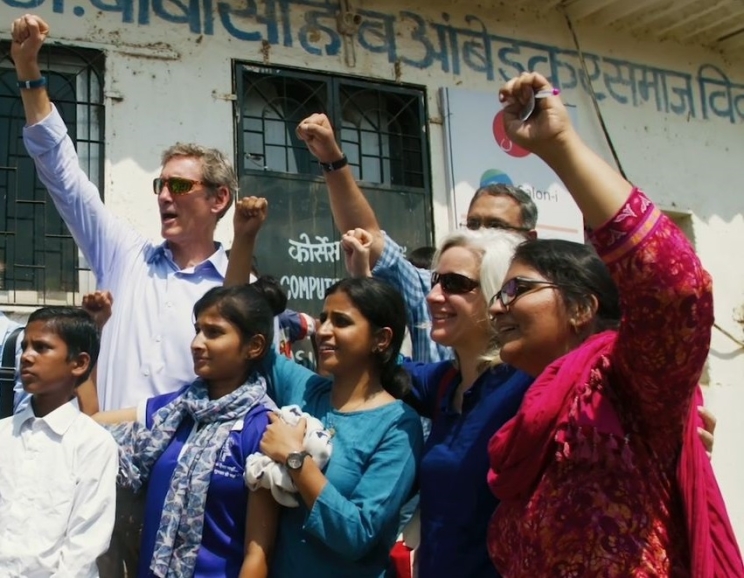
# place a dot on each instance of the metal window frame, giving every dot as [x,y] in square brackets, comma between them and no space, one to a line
[71,64]
[333,109]
[415,93]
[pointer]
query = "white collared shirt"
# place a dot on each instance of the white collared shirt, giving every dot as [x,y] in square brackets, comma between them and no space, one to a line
[57,494]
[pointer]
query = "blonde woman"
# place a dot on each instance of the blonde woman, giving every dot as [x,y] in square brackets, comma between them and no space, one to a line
[467,399]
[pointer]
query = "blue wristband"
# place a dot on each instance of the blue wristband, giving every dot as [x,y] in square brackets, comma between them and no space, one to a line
[38,83]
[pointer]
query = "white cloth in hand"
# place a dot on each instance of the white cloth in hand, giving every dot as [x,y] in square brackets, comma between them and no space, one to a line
[263,472]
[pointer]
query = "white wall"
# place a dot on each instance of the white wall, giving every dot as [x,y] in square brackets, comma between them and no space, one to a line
[166,82]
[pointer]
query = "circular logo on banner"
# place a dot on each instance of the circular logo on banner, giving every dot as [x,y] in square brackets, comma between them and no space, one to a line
[495,177]
[504,142]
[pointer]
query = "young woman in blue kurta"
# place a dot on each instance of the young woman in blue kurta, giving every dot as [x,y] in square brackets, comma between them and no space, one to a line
[189,449]
[348,518]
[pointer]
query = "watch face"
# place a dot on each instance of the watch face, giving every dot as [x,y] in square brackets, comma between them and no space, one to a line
[294,461]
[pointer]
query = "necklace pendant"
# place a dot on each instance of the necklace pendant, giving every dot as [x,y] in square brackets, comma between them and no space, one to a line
[329,423]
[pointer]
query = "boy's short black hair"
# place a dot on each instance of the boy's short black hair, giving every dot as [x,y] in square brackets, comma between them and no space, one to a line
[76,328]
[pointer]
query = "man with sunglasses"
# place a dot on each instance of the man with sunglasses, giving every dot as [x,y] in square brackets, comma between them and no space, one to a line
[145,345]
[493,206]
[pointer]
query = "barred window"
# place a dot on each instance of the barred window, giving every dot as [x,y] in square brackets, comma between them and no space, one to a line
[40,261]
[380,128]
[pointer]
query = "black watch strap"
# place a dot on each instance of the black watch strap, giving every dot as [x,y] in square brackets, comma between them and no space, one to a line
[335,165]
[28,84]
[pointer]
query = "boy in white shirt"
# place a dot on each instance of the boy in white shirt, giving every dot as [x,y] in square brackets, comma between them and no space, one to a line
[57,466]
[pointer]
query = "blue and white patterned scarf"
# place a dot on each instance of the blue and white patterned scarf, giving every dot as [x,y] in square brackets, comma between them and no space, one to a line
[182,521]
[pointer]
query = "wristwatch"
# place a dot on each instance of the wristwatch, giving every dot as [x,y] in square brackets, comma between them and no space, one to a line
[295,460]
[335,165]
[37,83]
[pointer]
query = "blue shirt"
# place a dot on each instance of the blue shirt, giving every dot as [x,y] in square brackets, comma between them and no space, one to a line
[145,345]
[222,548]
[414,284]
[353,523]
[293,326]
[20,397]
[456,502]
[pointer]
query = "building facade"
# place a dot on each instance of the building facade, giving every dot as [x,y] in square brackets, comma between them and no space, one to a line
[662,87]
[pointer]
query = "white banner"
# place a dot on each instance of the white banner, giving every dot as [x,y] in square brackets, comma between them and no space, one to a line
[479,153]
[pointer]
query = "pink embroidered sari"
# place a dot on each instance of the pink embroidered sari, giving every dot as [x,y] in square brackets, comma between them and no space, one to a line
[601,472]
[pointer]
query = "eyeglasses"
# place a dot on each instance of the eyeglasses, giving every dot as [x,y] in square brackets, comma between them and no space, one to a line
[475,223]
[176,185]
[454,283]
[515,287]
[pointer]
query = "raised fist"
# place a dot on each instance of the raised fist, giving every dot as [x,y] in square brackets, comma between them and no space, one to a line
[28,33]
[355,244]
[317,132]
[98,305]
[546,126]
[250,213]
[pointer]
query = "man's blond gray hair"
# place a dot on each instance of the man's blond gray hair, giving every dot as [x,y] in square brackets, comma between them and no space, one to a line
[217,170]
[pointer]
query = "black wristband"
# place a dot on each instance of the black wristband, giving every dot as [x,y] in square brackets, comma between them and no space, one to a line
[38,83]
[335,165]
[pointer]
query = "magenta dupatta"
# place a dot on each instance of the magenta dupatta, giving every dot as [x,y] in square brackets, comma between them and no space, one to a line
[521,450]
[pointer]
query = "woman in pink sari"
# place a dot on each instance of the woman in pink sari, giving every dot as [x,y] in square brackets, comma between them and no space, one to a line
[600,473]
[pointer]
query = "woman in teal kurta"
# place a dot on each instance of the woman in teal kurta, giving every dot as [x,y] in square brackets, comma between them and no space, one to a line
[348,515]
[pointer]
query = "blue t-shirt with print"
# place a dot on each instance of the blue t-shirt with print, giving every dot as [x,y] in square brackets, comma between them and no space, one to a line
[222,549]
